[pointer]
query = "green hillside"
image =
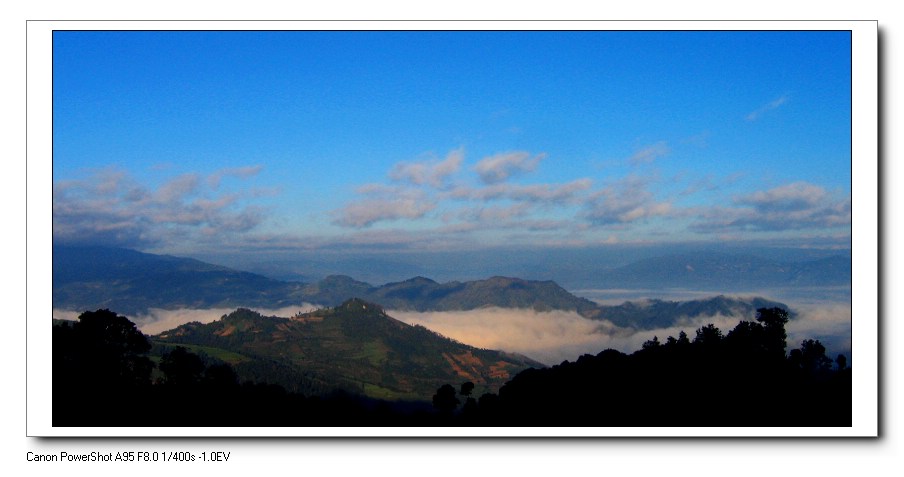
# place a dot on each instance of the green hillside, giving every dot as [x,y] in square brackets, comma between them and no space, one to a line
[355,346]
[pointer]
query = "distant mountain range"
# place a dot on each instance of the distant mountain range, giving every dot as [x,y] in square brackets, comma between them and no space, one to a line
[727,271]
[653,314]
[355,347]
[131,282]
[424,294]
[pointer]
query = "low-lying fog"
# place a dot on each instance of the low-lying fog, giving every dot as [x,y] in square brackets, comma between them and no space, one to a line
[548,337]
[552,337]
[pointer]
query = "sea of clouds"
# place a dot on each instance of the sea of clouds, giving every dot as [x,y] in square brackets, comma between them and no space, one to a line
[552,337]
[549,337]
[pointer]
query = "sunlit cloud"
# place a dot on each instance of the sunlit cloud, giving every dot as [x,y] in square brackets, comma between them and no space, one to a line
[551,337]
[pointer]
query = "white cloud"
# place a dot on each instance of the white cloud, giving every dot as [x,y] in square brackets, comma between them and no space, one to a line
[799,205]
[830,323]
[552,337]
[789,197]
[384,204]
[177,189]
[650,153]
[240,172]
[549,337]
[500,167]
[367,212]
[774,104]
[111,208]
[432,173]
[546,193]
[625,201]
[495,215]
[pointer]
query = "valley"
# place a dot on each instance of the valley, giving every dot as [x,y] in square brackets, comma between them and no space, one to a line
[416,334]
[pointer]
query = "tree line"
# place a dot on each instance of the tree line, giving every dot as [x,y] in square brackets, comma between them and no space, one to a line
[104,375]
[742,378]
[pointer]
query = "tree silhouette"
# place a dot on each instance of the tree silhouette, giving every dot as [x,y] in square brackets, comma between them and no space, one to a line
[708,336]
[220,375]
[444,400]
[652,344]
[99,367]
[105,349]
[466,388]
[101,375]
[841,361]
[774,320]
[182,368]
[813,357]
[469,408]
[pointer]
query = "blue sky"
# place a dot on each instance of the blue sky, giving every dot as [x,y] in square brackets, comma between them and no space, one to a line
[192,141]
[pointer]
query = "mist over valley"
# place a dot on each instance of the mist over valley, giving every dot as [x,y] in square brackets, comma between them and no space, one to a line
[536,319]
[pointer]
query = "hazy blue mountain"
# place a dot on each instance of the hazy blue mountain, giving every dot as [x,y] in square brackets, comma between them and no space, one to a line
[130,282]
[424,294]
[711,270]
[355,346]
[653,314]
[572,268]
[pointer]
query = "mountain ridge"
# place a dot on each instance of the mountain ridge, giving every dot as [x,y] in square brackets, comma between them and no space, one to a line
[132,282]
[356,346]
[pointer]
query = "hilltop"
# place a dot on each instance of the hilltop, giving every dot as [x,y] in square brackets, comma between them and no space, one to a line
[355,347]
[424,294]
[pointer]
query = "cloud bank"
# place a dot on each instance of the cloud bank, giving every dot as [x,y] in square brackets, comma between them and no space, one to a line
[552,337]
[794,206]
[548,337]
